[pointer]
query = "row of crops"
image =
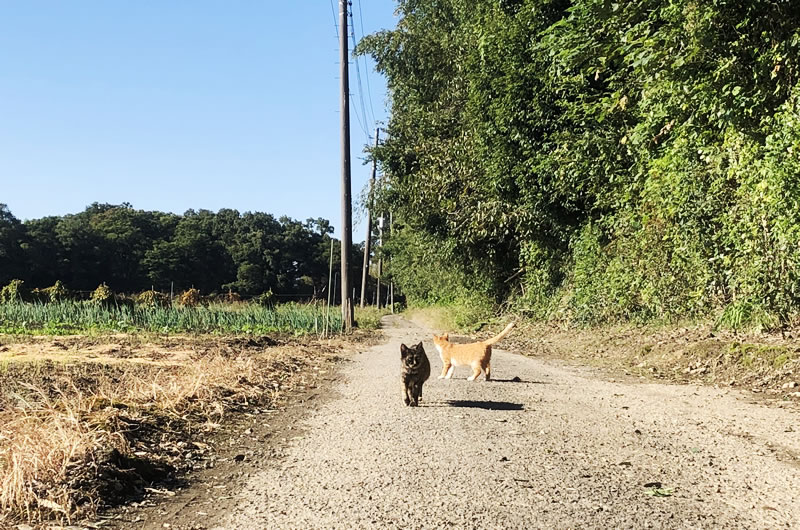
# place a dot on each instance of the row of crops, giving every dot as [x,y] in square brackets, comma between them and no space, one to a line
[68,316]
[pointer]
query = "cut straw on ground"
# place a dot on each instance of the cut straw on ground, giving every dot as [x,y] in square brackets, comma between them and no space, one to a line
[67,429]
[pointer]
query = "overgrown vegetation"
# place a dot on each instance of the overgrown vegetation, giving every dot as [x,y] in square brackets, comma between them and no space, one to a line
[596,161]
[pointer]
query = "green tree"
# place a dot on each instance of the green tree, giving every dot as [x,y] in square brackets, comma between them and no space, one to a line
[12,241]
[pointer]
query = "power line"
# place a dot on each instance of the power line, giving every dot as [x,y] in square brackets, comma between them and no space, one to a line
[366,67]
[335,23]
[358,76]
[360,84]
[361,122]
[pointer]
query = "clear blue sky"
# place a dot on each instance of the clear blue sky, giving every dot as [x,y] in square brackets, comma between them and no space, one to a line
[178,104]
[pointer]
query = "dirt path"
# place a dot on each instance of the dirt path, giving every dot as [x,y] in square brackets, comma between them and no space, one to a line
[542,446]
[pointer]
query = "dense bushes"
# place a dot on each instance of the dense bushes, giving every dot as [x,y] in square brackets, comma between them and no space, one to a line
[596,161]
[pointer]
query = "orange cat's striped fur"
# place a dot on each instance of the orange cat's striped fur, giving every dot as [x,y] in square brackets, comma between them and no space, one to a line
[476,354]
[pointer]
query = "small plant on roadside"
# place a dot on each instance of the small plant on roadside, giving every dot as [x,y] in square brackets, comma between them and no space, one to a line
[370,317]
[745,315]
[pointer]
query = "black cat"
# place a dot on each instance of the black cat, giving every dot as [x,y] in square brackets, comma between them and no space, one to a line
[416,370]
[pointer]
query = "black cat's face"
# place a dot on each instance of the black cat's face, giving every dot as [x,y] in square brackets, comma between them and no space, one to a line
[412,356]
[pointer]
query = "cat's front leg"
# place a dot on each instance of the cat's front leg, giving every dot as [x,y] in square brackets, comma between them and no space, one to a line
[447,366]
[417,393]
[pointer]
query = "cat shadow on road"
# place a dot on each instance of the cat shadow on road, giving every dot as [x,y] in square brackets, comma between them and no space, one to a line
[518,380]
[486,405]
[514,379]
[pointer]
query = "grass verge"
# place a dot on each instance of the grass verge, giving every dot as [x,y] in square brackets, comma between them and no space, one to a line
[760,362]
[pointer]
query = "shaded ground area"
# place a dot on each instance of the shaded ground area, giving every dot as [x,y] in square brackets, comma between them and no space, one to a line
[545,445]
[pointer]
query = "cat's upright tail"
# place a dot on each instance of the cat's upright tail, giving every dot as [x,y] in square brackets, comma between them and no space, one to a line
[501,335]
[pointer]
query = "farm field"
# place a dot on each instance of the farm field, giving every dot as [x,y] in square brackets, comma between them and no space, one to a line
[70,317]
[97,416]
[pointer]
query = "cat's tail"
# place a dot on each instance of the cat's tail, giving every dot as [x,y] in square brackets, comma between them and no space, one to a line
[501,335]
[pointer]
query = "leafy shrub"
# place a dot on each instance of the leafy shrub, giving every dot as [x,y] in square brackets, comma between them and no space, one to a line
[634,161]
[266,299]
[55,293]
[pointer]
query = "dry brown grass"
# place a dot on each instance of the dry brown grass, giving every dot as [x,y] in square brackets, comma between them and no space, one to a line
[39,441]
[60,420]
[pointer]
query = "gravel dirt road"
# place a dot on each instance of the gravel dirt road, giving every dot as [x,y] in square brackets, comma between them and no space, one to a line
[543,445]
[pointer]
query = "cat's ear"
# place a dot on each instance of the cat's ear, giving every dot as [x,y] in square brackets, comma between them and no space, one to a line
[403,350]
[446,336]
[419,347]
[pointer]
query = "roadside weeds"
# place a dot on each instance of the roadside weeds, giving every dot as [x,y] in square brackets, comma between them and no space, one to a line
[767,364]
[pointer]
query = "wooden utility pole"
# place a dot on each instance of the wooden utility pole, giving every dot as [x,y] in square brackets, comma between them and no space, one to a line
[391,282]
[380,259]
[347,211]
[367,241]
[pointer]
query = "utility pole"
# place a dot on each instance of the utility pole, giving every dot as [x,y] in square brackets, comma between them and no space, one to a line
[347,211]
[380,258]
[365,267]
[391,282]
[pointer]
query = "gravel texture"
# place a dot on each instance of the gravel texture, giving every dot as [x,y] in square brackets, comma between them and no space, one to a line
[542,445]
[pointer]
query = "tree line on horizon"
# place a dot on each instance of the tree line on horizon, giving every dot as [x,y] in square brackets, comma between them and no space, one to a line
[596,161]
[134,250]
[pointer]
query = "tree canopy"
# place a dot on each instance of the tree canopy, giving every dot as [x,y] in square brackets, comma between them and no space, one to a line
[133,250]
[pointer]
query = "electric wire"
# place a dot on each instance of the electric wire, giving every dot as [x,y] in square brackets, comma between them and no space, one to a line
[363,122]
[358,73]
[366,66]
[335,22]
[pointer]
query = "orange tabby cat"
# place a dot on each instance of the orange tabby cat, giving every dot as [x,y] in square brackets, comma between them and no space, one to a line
[476,354]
